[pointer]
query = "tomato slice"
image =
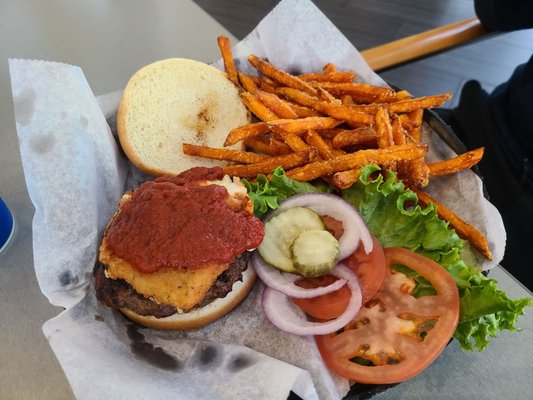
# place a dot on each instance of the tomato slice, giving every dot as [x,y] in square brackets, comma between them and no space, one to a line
[370,268]
[395,335]
[324,307]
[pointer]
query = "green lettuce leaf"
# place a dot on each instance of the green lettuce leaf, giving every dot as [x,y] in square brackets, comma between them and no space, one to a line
[267,193]
[392,214]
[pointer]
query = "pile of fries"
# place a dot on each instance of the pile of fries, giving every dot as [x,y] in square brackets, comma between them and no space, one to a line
[324,125]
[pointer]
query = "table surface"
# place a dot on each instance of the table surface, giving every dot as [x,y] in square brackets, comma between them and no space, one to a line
[110,41]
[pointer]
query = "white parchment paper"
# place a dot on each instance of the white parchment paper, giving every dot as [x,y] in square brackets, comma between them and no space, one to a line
[75,174]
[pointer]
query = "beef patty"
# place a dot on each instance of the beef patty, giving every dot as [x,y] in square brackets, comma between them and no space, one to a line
[117,293]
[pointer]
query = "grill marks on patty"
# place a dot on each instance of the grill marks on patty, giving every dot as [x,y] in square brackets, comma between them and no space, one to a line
[117,293]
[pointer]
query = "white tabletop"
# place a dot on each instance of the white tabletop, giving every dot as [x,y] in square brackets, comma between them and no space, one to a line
[110,41]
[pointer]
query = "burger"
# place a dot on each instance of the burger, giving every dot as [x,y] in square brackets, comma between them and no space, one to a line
[175,253]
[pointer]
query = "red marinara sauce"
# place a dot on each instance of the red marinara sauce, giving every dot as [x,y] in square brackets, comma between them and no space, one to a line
[173,222]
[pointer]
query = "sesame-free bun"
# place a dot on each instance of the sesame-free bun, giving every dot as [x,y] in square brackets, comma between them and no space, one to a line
[203,315]
[175,101]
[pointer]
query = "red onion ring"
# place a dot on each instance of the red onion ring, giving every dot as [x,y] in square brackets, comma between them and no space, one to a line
[284,282]
[355,229]
[281,312]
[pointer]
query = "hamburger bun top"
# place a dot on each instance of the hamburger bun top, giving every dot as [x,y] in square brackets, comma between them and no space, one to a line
[175,101]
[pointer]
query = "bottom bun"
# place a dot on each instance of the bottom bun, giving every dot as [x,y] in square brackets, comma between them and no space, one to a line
[202,316]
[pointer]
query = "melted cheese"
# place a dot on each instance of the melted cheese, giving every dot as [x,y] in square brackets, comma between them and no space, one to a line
[238,195]
[180,288]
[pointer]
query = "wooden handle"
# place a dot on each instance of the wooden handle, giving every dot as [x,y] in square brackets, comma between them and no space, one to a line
[423,44]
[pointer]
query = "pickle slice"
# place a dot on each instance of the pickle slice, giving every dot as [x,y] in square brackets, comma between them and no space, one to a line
[315,252]
[280,232]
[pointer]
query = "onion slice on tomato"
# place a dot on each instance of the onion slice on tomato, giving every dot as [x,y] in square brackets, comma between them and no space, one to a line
[354,226]
[284,282]
[281,312]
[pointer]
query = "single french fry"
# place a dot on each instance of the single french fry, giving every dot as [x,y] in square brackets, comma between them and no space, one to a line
[405,106]
[461,162]
[399,138]
[279,147]
[384,134]
[415,118]
[224,45]
[346,99]
[295,142]
[352,118]
[244,157]
[403,95]
[368,108]
[416,134]
[329,143]
[463,229]
[383,128]
[263,145]
[354,137]
[329,68]
[248,82]
[404,119]
[297,96]
[335,76]
[414,173]
[266,84]
[302,111]
[246,131]
[302,125]
[257,108]
[398,133]
[330,133]
[360,92]
[409,138]
[259,145]
[325,150]
[345,179]
[358,159]
[276,105]
[287,162]
[326,96]
[345,113]
[280,76]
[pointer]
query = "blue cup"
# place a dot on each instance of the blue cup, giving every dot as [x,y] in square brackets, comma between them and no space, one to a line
[7,225]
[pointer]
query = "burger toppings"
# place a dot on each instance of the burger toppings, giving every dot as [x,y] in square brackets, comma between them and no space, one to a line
[177,243]
[178,223]
[369,327]
[286,238]
[286,283]
[354,229]
[278,310]
[298,242]
[297,238]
